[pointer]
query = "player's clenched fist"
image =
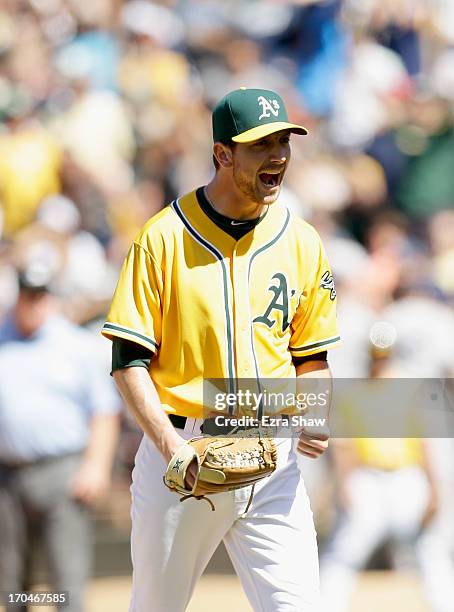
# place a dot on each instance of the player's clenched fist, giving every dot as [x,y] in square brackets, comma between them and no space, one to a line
[313,442]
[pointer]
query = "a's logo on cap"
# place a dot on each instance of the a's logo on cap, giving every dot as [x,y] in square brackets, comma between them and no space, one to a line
[269,107]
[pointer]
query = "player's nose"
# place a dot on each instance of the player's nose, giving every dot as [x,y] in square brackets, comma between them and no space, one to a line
[278,159]
[279,153]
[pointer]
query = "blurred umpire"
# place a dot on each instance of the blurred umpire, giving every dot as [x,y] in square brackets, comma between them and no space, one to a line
[58,430]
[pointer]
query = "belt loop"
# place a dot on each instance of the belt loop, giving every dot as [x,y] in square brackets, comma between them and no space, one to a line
[193,426]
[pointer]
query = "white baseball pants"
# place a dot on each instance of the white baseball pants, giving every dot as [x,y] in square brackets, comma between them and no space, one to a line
[273,547]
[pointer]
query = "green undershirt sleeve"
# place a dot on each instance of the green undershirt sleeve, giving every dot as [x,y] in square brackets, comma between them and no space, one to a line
[127,354]
[322,356]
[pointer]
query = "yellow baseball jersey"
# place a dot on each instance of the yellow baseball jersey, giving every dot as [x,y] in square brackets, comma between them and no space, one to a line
[389,453]
[213,307]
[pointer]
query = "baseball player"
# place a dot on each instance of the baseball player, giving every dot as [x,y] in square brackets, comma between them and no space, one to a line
[223,283]
[388,492]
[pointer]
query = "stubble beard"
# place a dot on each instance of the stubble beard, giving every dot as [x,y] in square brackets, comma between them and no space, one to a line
[248,189]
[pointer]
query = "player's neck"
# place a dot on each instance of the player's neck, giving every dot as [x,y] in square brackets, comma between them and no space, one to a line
[230,202]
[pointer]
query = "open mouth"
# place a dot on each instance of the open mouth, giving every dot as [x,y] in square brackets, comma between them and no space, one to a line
[270,179]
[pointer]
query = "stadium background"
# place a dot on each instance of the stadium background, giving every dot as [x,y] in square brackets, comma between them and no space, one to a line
[105,116]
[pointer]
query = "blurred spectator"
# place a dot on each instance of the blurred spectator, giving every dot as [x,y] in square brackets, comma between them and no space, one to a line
[355,312]
[395,24]
[427,184]
[441,235]
[153,21]
[58,417]
[424,328]
[97,132]
[87,277]
[93,55]
[316,40]
[29,164]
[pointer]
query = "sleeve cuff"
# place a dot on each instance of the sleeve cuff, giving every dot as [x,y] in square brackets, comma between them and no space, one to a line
[314,347]
[111,330]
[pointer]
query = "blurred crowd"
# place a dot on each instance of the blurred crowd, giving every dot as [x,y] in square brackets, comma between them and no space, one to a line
[105,117]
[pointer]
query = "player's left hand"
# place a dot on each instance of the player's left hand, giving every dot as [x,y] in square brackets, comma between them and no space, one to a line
[313,442]
[90,483]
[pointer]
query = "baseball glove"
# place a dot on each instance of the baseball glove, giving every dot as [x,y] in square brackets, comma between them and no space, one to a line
[223,464]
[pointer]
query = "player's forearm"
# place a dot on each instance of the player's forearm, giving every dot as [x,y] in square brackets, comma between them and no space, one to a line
[314,384]
[315,377]
[141,398]
[102,440]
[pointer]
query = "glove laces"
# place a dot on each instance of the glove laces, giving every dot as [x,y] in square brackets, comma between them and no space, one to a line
[213,508]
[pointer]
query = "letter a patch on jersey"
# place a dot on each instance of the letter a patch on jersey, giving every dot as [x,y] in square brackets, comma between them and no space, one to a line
[279,302]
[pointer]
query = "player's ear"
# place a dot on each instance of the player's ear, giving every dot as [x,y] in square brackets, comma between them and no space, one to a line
[223,155]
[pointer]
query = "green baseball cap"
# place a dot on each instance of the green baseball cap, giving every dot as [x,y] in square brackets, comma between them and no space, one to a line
[245,115]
